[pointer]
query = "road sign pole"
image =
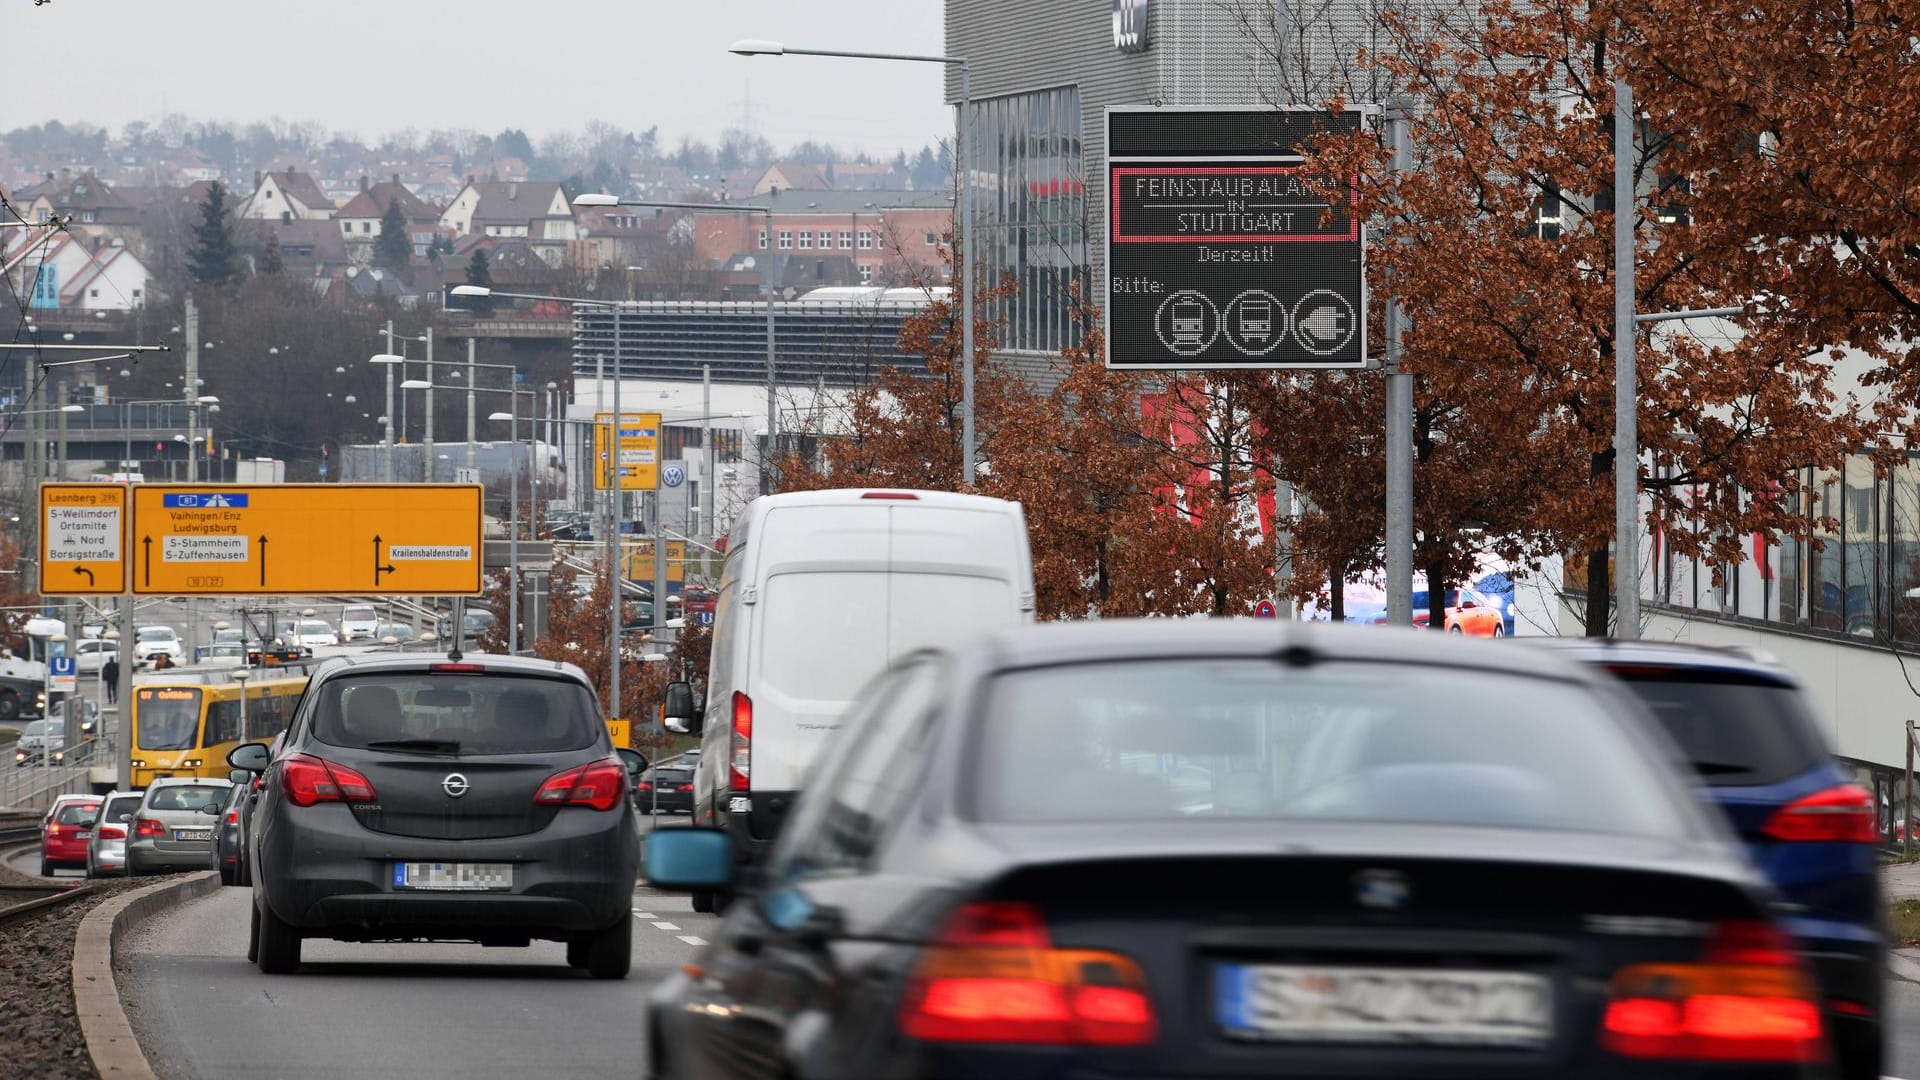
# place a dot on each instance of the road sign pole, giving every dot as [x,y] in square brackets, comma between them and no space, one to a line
[659,620]
[1399,420]
[124,714]
[616,480]
[513,521]
[1626,389]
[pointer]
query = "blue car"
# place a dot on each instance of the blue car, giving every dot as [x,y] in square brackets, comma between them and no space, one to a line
[1751,738]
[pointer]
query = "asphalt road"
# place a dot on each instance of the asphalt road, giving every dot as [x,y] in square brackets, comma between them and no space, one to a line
[381,1010]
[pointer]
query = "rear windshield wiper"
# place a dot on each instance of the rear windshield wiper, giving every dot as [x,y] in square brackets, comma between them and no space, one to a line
[428,746]
[1716,768]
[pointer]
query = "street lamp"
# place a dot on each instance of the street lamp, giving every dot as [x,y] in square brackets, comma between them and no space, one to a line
[513,525]
[767,286]
[964,137]
[613,475]
[387,360]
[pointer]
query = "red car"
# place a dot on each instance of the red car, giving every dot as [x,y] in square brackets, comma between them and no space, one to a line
[65,830]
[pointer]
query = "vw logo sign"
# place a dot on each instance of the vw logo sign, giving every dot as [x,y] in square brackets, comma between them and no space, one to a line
[673,476]
[1381,890]
[454,785]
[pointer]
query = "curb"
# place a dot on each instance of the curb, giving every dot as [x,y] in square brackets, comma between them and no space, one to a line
[108,1033]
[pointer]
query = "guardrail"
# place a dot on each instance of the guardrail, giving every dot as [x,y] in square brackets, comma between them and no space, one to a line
[35,787]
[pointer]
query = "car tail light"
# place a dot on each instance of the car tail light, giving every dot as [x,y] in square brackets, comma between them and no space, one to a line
[307,780]
[1748,998]
[992,975]
[643,786]
[54,829]
[147,826]
[686,787]
[740,765]
[457,669]
[113,832]
[1843,813]
[233,817]
[599,785]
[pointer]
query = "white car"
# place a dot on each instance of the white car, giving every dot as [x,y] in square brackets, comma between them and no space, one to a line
[151,641]
[313,632]
[91,655]
[358,622]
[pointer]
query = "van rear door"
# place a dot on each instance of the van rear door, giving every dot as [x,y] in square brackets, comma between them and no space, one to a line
[820,637]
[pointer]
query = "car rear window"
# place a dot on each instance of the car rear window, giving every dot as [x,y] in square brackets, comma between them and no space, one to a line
[77,814]
[186,797]
[1194,739]
[1737,730]
[423,712]
[126,804]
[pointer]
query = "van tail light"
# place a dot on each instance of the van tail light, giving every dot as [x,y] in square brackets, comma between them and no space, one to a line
[905,495]
[740,764]
[1749,998]
[600,785]
[993,976]
[147,826]
[113,832]
[307,780]
[1844,814]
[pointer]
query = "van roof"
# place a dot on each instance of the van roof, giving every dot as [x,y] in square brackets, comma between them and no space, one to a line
[860,496]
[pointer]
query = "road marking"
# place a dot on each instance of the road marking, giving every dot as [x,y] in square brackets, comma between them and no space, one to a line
[665,926]
[692,940]
[638,914]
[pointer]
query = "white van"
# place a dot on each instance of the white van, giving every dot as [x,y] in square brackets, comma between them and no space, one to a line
[821,591]
[358,622]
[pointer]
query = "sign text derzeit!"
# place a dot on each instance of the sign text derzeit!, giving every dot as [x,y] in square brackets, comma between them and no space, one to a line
[1270,204]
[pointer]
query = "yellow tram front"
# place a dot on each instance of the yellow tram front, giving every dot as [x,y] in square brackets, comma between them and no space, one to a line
[187,728]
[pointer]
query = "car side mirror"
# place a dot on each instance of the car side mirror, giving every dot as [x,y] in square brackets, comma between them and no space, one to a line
[688,859]
[679,711]
[210,810]
[634,760]
[240,776]
[252,757]
[125,817]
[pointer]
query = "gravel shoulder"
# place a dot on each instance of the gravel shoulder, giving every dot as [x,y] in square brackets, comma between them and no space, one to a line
[38,1028]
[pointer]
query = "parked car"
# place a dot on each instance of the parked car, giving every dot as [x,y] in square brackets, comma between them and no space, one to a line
[1747,729]
[843,583]
[666,788]
[1468,611]
[152,641]
[65,830]
[314,633]
[174,827]
[358,622]
[107,851]
[228,844]
[1219,848]
[42,742]
[416,797]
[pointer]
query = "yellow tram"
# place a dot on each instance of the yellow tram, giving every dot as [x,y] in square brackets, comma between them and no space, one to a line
[185,726]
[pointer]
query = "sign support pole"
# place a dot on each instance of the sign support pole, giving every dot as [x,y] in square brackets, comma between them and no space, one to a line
[124,714]
[1399,422]
[1626,387]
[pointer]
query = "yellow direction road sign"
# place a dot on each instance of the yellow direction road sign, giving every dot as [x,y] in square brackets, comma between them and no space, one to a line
[639,451]
[306,539]
[639,560]
[83,539]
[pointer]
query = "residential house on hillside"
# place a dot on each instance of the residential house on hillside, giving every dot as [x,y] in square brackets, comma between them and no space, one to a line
[621,236]
[534,210]
[792,176]
[359,220]
[285,196]
[79,271]
[370,283]
[88,200]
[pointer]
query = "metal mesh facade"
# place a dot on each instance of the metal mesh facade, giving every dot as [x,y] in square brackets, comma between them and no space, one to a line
[840,344]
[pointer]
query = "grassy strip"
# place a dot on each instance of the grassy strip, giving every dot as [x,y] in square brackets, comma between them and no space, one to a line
[1903,922]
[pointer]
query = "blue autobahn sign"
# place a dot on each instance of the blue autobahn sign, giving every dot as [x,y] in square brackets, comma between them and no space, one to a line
[203,500]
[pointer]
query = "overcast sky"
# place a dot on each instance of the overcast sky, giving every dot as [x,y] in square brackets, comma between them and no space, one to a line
[376,66]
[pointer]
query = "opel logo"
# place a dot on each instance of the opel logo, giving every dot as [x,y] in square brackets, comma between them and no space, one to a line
[1381,890]
[454,785]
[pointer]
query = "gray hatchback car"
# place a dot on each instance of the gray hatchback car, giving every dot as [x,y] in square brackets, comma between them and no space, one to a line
[439,798]
[174,827]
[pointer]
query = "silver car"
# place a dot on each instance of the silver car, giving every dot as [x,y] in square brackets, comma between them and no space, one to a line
[175,826]
[107,851]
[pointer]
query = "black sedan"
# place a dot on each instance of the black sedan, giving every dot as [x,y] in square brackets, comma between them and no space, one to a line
[1235,850]
[666,788]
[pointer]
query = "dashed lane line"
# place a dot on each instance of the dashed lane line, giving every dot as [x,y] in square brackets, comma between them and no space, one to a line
[665,926]
[692,940]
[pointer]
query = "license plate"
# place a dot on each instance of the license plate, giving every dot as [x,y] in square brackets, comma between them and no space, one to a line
[464,877]
[1382,1005]
[83,836]
[193,834]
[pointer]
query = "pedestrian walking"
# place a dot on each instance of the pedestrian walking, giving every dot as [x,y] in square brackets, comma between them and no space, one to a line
[110,674]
